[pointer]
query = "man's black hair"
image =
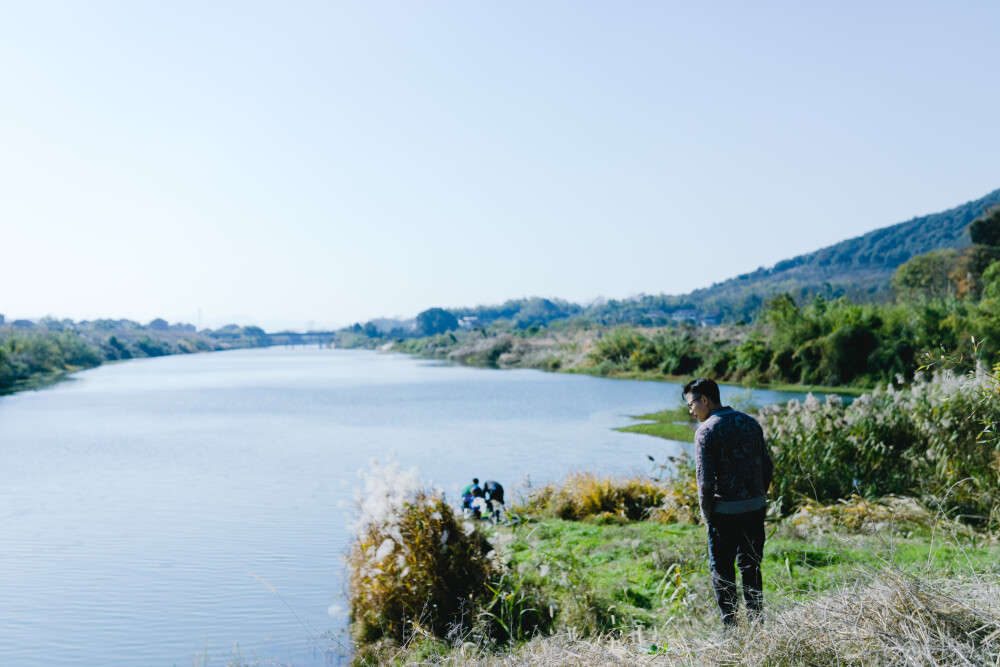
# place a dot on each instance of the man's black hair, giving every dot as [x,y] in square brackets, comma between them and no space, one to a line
[703,387]
[475,480]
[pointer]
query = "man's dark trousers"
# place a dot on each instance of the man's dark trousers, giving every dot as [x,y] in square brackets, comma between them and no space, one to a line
[739,538]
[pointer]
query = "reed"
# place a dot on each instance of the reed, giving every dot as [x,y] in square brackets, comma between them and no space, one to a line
[598,498]
[415,568]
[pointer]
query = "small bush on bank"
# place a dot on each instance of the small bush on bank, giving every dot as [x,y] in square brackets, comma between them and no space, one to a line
[861,515]
[599,498]
[680,501]
[414,567]
[485,351]
[596,498]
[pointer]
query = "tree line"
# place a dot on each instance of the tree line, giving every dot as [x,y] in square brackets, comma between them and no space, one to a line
[944,301]
[50,348]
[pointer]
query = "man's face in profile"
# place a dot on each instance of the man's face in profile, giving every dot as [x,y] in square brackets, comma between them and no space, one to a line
[698,406]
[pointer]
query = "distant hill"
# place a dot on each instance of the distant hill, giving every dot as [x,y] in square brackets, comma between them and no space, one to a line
[860,268]
[867,262]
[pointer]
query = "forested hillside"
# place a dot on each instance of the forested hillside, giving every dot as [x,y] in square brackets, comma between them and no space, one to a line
[859,268]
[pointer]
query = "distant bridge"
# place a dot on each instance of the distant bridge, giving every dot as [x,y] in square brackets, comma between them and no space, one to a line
[321,338]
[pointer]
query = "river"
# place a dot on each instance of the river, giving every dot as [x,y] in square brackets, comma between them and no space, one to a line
[186,510]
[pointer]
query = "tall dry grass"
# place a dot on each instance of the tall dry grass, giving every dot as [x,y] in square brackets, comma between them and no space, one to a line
[588,496]
[926,439]
[892,514]
[891,619]
[414,567]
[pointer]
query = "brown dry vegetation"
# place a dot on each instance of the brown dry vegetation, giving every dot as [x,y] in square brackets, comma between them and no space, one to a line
[598,498]
[893,619]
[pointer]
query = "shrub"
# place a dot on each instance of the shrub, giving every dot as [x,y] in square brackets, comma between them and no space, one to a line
[414,567]
[24,355]
[483,351]
[680,502]
[588,496]
[920,440]
[618,346]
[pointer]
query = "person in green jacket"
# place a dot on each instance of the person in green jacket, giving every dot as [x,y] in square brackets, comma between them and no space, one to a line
[469,493]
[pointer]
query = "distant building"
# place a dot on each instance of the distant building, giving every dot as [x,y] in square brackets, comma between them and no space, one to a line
[1,320]
[470,322]
[688,315]
[711,319]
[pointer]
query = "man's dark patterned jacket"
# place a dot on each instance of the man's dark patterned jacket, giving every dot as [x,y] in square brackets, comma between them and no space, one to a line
[733,465]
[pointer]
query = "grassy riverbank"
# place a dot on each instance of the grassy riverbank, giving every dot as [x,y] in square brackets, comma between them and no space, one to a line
[607,590]
[669,424]
[609,352]
[596,570]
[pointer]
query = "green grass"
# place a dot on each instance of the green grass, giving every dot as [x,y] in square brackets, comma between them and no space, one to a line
[664,425]
[601,578]
[615,578]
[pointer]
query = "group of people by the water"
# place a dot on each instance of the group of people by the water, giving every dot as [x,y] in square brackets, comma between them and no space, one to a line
[483,502]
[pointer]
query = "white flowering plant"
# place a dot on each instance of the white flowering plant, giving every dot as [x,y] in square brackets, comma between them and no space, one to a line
[925,439]
[415,569]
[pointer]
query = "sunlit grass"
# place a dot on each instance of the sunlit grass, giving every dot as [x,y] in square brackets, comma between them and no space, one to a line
[596,498]
[669,424]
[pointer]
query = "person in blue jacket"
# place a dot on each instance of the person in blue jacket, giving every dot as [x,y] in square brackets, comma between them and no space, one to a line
[469,493]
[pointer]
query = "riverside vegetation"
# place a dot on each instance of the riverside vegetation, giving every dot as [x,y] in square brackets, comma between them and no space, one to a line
[940,300]
[881,550]
[42,352]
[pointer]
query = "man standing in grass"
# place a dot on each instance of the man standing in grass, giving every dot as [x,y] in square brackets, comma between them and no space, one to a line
[734,471]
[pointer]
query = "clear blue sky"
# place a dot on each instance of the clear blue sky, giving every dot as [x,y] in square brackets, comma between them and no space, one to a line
[298,164]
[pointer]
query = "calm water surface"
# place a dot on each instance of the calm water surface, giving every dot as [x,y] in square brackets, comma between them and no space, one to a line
[162,511]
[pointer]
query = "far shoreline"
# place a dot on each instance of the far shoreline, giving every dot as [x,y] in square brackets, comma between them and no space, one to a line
[48,380]
[656,377]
